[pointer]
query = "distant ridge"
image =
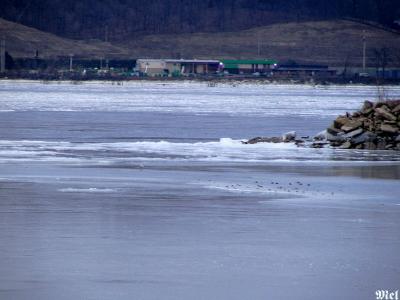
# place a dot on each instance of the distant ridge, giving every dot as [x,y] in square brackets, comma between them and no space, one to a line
[336,43]
[23,41]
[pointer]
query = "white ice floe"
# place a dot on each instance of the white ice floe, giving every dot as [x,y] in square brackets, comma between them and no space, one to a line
[86,190]
[224,150]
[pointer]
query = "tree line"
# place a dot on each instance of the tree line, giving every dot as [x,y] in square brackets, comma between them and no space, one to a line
[118,19]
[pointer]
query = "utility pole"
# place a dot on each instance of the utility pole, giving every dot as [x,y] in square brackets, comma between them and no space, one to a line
[106,40]
[364,51]
[70,62]
[106,34]
[3,55]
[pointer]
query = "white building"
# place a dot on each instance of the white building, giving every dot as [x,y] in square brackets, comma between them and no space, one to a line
[153,67]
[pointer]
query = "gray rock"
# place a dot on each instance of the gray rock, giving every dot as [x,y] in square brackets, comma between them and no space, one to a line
[257,140]
[333,130]
[336,144]
[364,137]
[335,138]
[321,136]
[253,140]
[289,136]
[353,133]
[390,146]
[346,145]
[319,144]
[274,139]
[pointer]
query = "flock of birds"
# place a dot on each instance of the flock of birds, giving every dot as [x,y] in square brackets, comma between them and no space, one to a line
[297,187]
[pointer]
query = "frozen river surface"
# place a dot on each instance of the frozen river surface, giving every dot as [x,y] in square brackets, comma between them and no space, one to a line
[144,191]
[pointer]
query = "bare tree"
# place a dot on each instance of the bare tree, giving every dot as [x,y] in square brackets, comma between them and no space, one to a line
[381,58]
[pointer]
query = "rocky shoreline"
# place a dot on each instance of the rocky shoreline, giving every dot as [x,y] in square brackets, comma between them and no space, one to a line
[376,126]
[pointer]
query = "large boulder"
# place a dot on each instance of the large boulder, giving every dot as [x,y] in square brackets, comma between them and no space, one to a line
[363,138]
[353,133]
[335,138]
[384,112]
[351,125]
[389,128]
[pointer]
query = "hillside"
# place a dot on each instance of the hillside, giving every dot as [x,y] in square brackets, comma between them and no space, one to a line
[327,42]
[23,41]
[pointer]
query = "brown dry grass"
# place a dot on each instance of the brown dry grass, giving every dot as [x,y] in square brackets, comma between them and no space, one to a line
[327,42]
[23,41]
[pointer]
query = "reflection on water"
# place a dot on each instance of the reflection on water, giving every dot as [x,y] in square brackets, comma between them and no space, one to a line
[373,171]
[379,172]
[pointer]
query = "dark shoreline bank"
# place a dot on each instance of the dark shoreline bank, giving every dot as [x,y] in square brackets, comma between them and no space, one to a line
[209,79]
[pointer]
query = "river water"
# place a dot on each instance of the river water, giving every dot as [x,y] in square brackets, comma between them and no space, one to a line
[144,191]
